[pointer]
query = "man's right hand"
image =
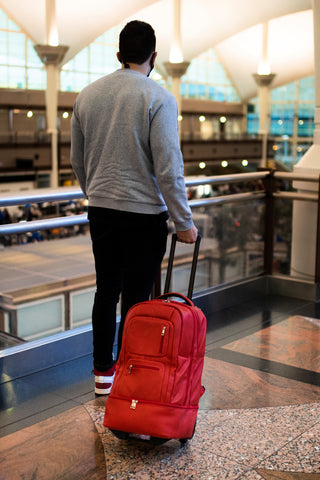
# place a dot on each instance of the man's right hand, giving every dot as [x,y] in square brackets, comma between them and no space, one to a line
[189,236]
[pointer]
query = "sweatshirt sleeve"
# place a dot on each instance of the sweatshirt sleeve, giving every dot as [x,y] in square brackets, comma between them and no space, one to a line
[77,151]
[168,163]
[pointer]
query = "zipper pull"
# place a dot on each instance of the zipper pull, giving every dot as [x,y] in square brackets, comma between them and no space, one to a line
[133,405]
[130,369]
[163,331]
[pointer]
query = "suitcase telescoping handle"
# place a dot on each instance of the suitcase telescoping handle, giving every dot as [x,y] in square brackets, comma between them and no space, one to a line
[193,266]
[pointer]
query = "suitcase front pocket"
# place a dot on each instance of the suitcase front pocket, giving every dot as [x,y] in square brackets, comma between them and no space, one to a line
[148,336]
[142,380]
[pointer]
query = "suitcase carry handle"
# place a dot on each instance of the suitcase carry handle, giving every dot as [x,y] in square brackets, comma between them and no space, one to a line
[178,295]
[193,266]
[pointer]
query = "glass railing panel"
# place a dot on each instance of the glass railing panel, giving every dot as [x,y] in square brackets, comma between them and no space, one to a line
[231,247]
[41,318]
[81,303]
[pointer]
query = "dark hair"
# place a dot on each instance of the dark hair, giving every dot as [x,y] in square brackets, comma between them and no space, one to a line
[137,41]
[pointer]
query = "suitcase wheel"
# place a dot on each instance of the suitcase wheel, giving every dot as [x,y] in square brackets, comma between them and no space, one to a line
[120,435]
[140,438]
[158,441]
[183,441]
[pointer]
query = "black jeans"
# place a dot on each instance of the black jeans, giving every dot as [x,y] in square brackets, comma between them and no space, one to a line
[128,249]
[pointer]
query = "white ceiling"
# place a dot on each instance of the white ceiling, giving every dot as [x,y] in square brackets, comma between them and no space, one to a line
[232,27]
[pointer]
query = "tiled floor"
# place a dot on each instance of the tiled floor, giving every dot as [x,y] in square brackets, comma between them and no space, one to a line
[35,264]
[259,417]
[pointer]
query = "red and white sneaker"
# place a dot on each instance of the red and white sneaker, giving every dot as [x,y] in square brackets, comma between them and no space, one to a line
[104,380]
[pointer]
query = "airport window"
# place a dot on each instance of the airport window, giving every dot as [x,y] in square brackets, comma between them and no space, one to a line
[282,119]
[292,109]
[307,89]
[252,122]
[306,120]
[204,79]
[94,61]
[207,79]
[286,93]
[36,78]
[20,66]
[290,103]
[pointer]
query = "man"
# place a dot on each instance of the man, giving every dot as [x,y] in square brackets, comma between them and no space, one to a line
[126,155]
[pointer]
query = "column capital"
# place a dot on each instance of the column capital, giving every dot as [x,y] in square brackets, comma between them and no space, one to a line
[176,70]
[263,80]
[51,55]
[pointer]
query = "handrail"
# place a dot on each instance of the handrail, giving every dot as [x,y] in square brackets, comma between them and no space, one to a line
[296,176]
[313,197]
[45,224]
[221,179]
[233,197]
[71,193]
[41,195]
[71,220]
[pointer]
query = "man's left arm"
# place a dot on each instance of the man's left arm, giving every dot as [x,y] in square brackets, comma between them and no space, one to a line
[168,164]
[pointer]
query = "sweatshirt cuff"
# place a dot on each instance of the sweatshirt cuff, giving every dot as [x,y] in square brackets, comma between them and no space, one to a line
[183,227]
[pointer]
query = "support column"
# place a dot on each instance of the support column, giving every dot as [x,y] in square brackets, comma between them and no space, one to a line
[52,55]
[264,79]
[176,67]
[176,55]
[304,221]
[264,82]
[176,71]
[52,113]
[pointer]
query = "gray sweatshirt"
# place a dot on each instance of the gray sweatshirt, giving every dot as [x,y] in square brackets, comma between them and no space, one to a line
[125,147]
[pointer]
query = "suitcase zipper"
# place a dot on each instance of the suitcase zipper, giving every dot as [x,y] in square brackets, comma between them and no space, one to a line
[147,367]
[133,403]
[162,338]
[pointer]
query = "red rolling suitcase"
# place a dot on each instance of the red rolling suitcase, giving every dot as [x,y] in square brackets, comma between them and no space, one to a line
[157,386]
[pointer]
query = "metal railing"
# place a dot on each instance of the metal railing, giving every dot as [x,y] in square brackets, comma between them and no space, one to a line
[270,193]
[71,193]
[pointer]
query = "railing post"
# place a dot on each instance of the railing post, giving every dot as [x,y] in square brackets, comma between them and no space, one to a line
[67,310]
[13,321]
[317,266]
[269,224]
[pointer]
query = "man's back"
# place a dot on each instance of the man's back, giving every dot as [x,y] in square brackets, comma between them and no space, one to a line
[129,125]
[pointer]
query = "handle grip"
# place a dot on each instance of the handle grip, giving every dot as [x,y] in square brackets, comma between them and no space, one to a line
[193,266]
[178,295]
